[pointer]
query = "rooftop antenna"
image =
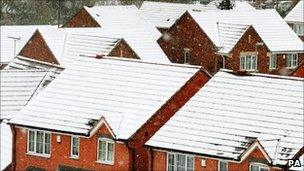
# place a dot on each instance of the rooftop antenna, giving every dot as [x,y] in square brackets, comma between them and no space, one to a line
[15,42]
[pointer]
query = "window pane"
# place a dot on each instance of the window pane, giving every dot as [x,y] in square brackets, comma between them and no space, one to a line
[39,142]
[75,146]
[273,61]
[102,151]
[110,151]
[171,162]
[263,169]
[223,166]
[248,62]
[31,141]
[254,168]
[254,62]
[47,143]
[181,162]
[288,60]
[242,63]
[190,163]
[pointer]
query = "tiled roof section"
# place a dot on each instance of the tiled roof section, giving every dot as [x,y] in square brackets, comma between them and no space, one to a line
[229,34]
[127,22]
[164,14]
[296,14]
[125,92]
[17,88]
[263,21]
[5,145]
[81,45]
[24,63]
[231,111]
[21,34]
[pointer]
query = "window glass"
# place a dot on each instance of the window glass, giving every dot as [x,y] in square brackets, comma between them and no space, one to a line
[273,61]
[190,163]
[47,143]
[248,62]
[171,162]
[110,151]
[254,168]
[106,151]
[186,55]
[75,146]
[31,145]
[39,142]
[292,60]
[223,166]
[180,162]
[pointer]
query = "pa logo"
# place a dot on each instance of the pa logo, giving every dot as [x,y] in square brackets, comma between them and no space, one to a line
[294,163]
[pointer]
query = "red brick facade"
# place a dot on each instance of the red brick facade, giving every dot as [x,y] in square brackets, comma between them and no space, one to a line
[81,19]
[186,33]
[60,153]
[36,48]
[299,71]
[123,49]
[160,162]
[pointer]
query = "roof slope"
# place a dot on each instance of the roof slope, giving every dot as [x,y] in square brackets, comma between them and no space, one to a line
[164,14]
[231,111]
[268,24]
[17,88]
[296,14]
[22,33]
[125,92]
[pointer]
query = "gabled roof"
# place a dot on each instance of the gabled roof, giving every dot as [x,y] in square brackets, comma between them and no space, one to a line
[164,14]
[19,32]
[231,112]
[267,23]
[126,92]
[296,14]
[17,89]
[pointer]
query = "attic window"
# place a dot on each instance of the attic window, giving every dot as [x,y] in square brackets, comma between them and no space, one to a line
[249,38]
[186,55]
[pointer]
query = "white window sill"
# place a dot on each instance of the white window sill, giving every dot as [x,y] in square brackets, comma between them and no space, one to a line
[272,68]
[74,157]
[105,162]
[291,67]
[39,155]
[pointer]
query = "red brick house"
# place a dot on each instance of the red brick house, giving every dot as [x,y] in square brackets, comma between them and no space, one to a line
[295,19]
[299,71]
[111,103]
[236,40]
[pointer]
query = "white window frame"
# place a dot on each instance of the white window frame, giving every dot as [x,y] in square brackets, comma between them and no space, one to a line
[271,61]
[219,164]
[260,165]
[72,141]
[175,160]
[292,60]
[298,28]
[251,63]
[43,154]
[185,57]
[108,141]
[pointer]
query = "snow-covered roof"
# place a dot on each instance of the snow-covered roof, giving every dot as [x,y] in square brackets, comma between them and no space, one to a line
[17,88]
[296,14]
[5,145]
[21,33]
[126,92]
[230,112]
[267,23]
[164,14]
[301,168]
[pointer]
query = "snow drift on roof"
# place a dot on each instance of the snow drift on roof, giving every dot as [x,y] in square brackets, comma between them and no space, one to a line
[296,14]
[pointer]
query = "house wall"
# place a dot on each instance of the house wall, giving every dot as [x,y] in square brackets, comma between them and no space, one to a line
[186,33]
[36,48]
[122,49]
[160,162]
[60,153]
[299,72]
[81,19]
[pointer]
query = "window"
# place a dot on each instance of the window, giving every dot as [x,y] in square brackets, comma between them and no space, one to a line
[177,162]
[74,147]
[273,61]
[248,62]
[39,142]
[105,152]
[186,55]
[258,167]
[292,60]
[222,166]
[298,28]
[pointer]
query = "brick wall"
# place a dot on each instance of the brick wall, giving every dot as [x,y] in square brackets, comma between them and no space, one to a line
[160,162]
[60,153]
[36,48]
[123,49]
[186,33]
[81,19]
[299,71]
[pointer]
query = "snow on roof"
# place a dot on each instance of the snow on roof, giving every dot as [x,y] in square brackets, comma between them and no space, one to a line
[125,92]
[296,14]
[164,14]
[20,33]
[231,111]
[267,23]
[17,88]
[5,145]
[229,34]
[301,168]
[129,23]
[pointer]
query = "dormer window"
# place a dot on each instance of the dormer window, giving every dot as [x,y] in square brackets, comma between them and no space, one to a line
[186,55]
[105,151]
[258,167]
